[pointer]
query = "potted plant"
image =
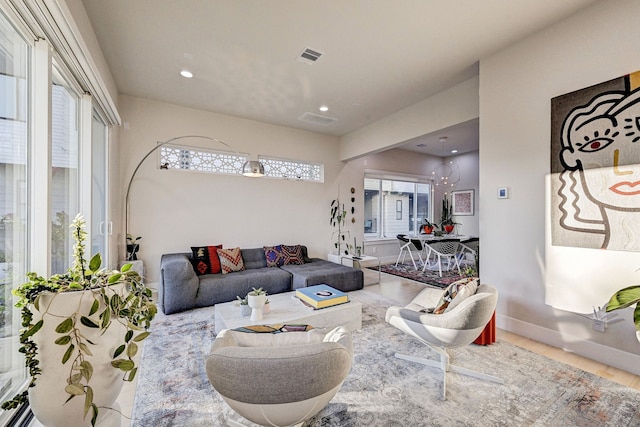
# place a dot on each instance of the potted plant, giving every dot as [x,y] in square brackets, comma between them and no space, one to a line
[80,333]
[132,247]
[624,298]
[427,226]
[245,310]
[448,225]
[256,299]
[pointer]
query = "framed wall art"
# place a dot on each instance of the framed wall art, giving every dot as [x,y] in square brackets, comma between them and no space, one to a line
[462,202]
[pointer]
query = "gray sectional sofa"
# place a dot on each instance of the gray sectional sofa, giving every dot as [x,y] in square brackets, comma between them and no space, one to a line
[181,289]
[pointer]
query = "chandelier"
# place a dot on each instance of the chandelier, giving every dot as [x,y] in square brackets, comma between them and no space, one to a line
[447,174]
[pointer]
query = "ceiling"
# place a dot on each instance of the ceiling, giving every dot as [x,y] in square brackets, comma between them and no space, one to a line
[378,56]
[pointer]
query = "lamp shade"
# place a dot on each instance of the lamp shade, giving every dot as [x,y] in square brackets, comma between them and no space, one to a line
[253,168]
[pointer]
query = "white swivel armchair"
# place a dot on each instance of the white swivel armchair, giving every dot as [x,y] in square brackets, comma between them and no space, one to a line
[460,323]
[279,379]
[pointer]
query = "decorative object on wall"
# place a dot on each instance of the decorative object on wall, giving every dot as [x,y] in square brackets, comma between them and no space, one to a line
[337,215]
[503,193]
[250,168]
[595,166]
[462,202]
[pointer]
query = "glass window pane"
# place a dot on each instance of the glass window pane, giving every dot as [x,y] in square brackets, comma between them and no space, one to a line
[99,189]
[393,207]
[64,190]
[14,54]
[371,207]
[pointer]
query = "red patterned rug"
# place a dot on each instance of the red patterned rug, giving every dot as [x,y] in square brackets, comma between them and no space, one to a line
[429,277]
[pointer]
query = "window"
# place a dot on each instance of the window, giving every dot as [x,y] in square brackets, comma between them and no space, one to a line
[387,200]
[14,53]
[64,179]
[292,169]
[201,160]
[99,185]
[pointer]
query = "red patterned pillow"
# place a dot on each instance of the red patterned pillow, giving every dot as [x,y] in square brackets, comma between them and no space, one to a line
[205,259]
[230,260]
[292,254]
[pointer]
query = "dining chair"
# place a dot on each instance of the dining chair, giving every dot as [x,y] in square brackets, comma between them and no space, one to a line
[409,246]
[470,246]
[443,250]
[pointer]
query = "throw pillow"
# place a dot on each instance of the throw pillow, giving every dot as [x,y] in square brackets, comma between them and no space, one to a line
[205,259]
[274,256]
[292,254]
[230,260]
[455,294]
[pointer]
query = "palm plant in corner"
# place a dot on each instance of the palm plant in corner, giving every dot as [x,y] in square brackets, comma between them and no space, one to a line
[80,336]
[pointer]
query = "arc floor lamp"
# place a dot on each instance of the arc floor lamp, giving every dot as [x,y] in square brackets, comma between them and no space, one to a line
[250,168]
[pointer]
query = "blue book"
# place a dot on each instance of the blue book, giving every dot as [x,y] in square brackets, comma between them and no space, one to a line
[321,296]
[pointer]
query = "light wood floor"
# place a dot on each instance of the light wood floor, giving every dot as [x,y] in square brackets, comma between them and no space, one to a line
[403,291]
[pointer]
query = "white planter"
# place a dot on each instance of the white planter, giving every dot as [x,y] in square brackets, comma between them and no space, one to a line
[245,310]
[266,309]
[256,302]
[47,398]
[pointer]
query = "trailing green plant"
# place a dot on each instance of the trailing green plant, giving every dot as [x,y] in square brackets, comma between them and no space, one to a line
[133,308]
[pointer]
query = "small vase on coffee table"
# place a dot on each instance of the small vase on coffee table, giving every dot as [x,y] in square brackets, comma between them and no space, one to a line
[256,302]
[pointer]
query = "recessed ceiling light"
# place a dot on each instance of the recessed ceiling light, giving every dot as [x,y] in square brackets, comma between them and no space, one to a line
[454,151]
[323,108]
[186,74]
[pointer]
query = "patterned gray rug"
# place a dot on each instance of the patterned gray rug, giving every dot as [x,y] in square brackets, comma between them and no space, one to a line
[381,390]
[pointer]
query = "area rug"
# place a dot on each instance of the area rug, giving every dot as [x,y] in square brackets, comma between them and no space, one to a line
[381,390]
[429,277]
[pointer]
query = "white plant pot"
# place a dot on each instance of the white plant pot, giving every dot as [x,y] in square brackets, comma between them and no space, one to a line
[245,310]
[256,302]
[47,398]
[266,309]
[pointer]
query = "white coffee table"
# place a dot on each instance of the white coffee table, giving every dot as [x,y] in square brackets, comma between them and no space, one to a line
[286,308]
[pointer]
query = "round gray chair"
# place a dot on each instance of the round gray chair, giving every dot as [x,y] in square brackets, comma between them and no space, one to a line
[279,379]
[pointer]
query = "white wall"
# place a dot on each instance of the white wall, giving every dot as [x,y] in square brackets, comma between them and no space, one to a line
[450,107]
[469,173]
[516,86]
[173,210]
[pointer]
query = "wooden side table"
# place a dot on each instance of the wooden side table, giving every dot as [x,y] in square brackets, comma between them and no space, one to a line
[488,335]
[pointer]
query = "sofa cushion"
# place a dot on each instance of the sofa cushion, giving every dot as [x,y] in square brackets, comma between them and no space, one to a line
[230,260]
[274,255]
[320,271]
[205,259]
[292,254]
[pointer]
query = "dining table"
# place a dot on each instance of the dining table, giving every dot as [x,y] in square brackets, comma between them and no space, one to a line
[425,239]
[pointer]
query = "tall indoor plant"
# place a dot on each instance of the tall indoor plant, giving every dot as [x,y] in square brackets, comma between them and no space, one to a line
[80,333]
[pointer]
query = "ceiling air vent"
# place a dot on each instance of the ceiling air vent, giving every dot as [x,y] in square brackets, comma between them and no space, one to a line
[317,119]
[309,56]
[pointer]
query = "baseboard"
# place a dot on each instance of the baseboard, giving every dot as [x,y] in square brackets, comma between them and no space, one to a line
[626,361]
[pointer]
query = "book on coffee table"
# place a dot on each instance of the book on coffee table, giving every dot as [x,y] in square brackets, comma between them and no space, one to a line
[321,296]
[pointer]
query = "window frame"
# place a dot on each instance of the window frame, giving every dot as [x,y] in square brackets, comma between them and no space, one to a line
[416,180]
